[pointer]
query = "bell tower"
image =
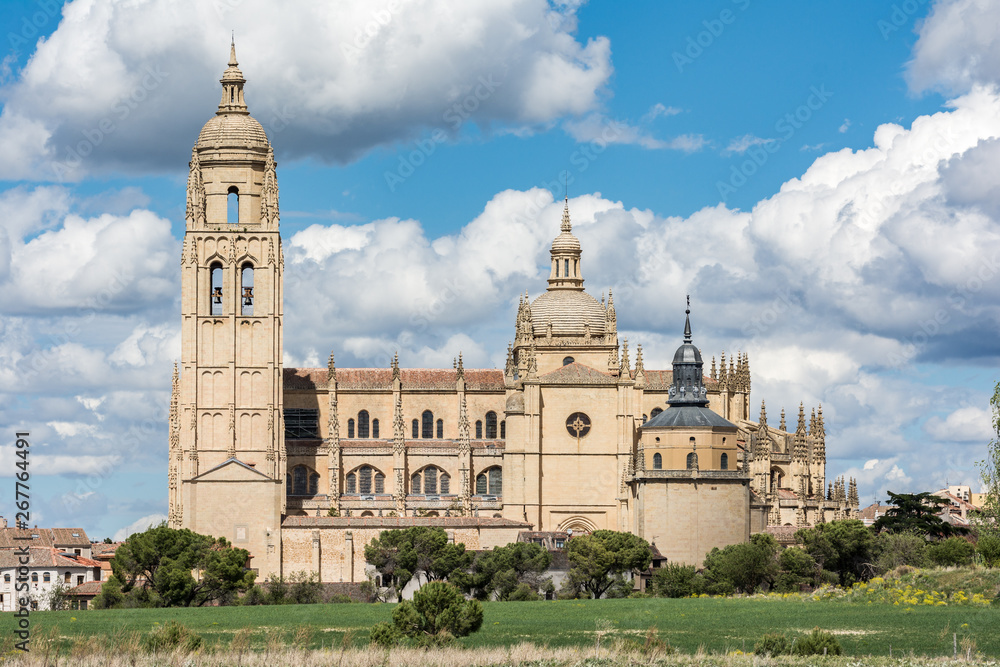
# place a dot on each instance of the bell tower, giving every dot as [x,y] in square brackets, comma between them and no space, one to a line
[226,411]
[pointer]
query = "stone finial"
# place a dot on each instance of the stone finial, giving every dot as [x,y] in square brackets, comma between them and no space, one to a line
[723,378]
[565,226]
[460,368]
[331,369]
[712,373]
[395,366]
[625,369]
[510,369]
[781,426]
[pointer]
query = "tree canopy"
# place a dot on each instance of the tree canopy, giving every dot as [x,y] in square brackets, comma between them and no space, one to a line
[915,513]
[499,572]
[161,560]
[399,554]
[844,547]
[743,567]
[596,558]
[987,519]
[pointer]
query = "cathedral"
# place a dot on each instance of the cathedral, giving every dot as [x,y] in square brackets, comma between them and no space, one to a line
[304,466]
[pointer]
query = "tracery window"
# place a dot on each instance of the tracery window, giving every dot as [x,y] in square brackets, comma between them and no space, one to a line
[578,424]
[430,481]
[352,483]
[363,424]
[692,461]
[490,482]
[305,482]
[416,429]
[654,412]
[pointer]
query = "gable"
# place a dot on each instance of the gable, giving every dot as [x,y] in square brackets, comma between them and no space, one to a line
[232,470]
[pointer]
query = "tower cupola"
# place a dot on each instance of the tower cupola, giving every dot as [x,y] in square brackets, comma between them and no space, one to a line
[688,387]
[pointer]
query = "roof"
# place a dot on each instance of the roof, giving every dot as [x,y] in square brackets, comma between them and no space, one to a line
[390,522]
[43,537]
[568,310]
[103,550]
[45,557]
[663,380]
[677,416]
[89,589]
[476,379]
[577,373]
[232,130]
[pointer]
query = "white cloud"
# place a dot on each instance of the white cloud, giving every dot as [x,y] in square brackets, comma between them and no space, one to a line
[126,84]
[740,145]
[659,109]
[968,424]
[600,129]
[844,126]
[957,47]
[138,526]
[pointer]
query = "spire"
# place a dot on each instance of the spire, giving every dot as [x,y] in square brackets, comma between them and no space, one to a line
[640,369]
[232,51]
[723,379]
[626,367]
[800,453]
[395,366]
[712,374]
[461,367]
[687,321]
[510,369]
[566,226]
[763,435]
[331,369]
[781,426]
[820,436]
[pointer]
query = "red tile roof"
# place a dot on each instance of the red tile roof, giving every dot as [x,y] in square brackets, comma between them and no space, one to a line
[45,557]
[89,589]
[389,522]
[43,537]
[476,379]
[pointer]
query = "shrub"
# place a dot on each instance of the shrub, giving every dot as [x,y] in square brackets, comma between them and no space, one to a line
[989,549]
[798,569]
[893,550]
[772,644]
[171,635]
[340,598]
[742,567]
[524,593]
[952,551]
[385,635]
[675,581]
[111,596]
[818,642]
[437,608]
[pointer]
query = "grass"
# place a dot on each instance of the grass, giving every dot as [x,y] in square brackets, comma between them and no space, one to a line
[714,625]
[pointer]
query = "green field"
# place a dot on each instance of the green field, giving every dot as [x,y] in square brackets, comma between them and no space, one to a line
[715,624]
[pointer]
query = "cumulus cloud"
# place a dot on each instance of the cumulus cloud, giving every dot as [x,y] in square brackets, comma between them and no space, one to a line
[126,84]
[968,424]
[138,526]
[957,47]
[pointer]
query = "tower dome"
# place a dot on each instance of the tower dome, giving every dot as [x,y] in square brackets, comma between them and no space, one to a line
[232,126]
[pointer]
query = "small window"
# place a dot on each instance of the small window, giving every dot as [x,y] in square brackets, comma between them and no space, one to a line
[491,425]
[566,267]
[692,461]
[6,578]
[416,429]
[557,268]
[440,429]
[496,482]
[246,282]
[445,483]
[657,461]
[568,360]
[482,485]
[363,424]
[503,429]
[350,428]
[415,485]
[301,423]
[379,483]
[654,412]
[66,577]
[352,483]
[215,293]
[46,577]
[725,462]
[79,579]
[479,430]
[374,428]
[34,577]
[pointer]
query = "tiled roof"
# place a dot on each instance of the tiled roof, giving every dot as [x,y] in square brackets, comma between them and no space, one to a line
[102,549]
[787,494]
[70,536]
[390,522]
[45,557]
[875,510]
[43,537]
[576,373]
[476,379]
[89,589]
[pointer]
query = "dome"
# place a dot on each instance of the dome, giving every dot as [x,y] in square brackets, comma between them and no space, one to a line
[566,241]
[687,354]
[567,310]
[237,130]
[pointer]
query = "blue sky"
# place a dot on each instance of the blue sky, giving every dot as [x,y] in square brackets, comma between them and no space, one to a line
[815,175]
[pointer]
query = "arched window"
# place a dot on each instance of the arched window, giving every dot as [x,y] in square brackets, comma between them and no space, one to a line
[654,412]
[692,461]
[445,483]
[657,461]
[479,430]
[352,483]
[557,268]
[503,429]
[645,419]
[416,428]
[725,461]
[491,425]
[374,428]
[363,424]
[233,205]
[304,482]
[34,577]
[365,480]
[379,482]
[440,429]
[415,484]
[350,428]
[246,281]
[430,481]
[490,482]
[566,267]
[568,360]
[427,425]
[47,577]
[215,295]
